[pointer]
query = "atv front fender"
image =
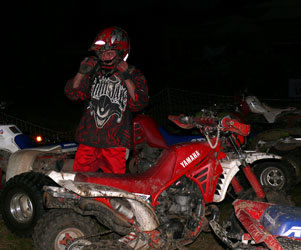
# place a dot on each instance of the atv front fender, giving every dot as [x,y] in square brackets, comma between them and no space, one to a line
[253,156]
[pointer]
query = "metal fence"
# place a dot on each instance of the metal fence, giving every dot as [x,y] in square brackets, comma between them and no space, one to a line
[168,101]
[175,101]
[33,129]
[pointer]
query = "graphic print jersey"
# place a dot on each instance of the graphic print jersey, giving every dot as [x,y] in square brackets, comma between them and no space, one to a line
[107,118]
[108,98]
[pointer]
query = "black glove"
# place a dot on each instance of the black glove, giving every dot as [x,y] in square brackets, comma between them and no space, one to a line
[87,65]
[124,70]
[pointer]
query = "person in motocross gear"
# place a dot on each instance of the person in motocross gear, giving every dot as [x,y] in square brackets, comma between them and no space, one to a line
[112,90]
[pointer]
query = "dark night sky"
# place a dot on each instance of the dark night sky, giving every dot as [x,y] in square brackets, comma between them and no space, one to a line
[46,41]
[50,40]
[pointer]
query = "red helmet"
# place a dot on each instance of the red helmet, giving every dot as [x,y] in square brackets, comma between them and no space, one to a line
[112,38]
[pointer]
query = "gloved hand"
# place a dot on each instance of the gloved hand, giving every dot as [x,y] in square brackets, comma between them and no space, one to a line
[123,68]
[87,65]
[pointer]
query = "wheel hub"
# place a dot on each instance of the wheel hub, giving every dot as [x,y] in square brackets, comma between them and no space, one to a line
[272,177]
[65,237]
[21,207]
[78,244]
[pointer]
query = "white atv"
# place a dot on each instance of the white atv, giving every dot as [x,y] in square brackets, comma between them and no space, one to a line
[280,139]
[23,164]
[11,141]
[270,114]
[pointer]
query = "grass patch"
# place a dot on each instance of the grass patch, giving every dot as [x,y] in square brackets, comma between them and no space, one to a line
[9,241]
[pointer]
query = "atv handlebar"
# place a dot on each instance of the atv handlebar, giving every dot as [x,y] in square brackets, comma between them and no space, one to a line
[235,126]
[205,123]
[188,122]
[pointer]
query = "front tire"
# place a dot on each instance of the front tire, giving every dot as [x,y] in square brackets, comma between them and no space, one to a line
[22,202]
[58,227]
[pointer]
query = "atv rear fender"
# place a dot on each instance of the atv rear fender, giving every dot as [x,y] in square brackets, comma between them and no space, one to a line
[23,160]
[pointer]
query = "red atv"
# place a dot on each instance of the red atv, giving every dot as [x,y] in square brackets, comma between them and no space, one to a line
[167,206]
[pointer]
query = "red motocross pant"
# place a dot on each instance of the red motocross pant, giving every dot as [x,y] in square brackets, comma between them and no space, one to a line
[109,160]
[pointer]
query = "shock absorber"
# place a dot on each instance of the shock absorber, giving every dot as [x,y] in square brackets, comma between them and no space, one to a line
[236,185]
[253,181]
[248,173]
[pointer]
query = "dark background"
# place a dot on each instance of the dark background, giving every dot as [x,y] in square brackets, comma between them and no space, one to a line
[209,46]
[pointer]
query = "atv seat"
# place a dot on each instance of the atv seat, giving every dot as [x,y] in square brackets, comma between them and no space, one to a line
[147,182]
[174,139]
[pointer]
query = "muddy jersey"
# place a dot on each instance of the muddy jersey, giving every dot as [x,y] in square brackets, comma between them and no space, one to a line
[107,118]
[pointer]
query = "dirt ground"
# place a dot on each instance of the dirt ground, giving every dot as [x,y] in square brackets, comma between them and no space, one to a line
[9,241]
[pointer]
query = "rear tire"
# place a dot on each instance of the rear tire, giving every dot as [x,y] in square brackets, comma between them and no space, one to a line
[58,227]
[22,202]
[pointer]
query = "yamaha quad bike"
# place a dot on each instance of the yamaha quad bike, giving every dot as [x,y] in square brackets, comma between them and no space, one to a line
[266,225]
[24,173]
[165,207]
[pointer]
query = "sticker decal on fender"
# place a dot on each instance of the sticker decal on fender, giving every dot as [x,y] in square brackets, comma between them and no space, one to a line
[143,196]
[190,159]
[295,230]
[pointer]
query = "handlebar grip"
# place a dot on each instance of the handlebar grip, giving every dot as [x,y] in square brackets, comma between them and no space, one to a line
[206,121]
